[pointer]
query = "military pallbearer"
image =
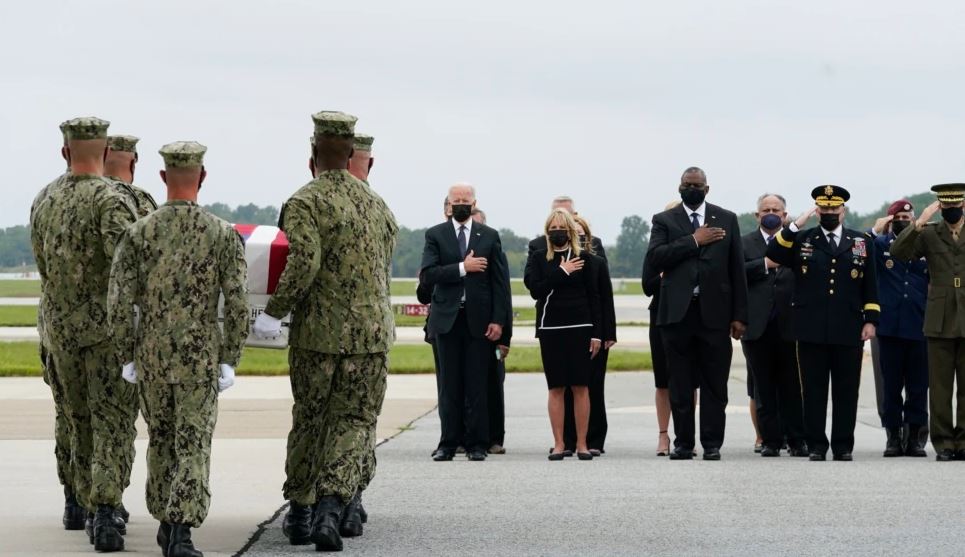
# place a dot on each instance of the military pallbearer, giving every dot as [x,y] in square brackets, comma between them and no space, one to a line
[171,268]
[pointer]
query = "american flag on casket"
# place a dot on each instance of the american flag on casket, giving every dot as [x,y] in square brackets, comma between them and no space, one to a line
[266,251]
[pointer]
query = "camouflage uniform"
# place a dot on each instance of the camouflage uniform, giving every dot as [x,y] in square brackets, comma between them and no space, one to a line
[142,201]
[341,236]
[74,230]
[173,264]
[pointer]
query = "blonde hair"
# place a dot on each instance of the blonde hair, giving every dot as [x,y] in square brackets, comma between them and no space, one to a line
[586,230]
[570,226]
[671,205]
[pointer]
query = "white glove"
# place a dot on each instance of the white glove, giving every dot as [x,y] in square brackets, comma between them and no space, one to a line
[227,377]
[267,327]
[128,373]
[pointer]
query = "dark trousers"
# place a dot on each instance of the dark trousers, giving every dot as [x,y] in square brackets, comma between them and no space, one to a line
[463,371]
[819,363]
[497,404]
[879,382]
[697,356]
[596,431]
[946,367]
[904,367]
[777,389]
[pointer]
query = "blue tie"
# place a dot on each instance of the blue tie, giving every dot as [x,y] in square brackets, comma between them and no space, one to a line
[694,221]
[461,238]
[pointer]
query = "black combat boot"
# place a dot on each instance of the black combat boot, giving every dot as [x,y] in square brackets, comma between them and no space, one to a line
[915,446]
[181,544]
[297,526]
[893,445]
[164,537]
[328,517]
[74,515]
[351,526]
[106,536]
[362,513]
[122,512]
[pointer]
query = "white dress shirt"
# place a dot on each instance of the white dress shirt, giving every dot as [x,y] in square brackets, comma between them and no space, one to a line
[462,264]
[701,213]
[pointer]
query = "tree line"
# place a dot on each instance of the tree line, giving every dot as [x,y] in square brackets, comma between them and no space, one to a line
[625,254]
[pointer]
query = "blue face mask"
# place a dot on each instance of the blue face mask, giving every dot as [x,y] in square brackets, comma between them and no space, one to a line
[771,221]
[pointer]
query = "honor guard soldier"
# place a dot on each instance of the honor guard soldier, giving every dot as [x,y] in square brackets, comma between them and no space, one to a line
[942,247]
[903,287]
[119,168]
[174,265]
[834,310]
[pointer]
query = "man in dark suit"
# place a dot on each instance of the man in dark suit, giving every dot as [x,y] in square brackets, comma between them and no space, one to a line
[463,263]
[767,342]
[834,311]
[703,297]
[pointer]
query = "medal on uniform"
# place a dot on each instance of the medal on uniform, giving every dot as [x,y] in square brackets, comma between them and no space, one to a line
[804,269]
[889,263]
[854,273]
[859,249]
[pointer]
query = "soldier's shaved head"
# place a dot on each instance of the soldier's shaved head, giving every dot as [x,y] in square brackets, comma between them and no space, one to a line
[361,164]
[120,164]
[183,182]
[86,156]
[331,152]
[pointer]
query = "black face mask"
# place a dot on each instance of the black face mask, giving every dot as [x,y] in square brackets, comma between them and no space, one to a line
[559,238]
[952,214]
[461,212]
[692,197]
[830,221]
[898,225]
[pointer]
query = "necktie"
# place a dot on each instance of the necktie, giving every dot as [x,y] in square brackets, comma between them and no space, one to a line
[461,238]
[770,239]
[694,221]
[832,241]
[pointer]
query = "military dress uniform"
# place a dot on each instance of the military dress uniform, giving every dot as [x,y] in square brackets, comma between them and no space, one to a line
[173,265]
[944,325]
[141,200]
[341,236]
[835,295]
[902,288]
[74,231]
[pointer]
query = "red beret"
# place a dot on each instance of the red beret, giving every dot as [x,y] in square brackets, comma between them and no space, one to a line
[900,206]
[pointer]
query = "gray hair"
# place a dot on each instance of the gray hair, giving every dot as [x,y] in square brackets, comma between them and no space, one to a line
[561,199]
[480,212]
[472,189]
[766,195]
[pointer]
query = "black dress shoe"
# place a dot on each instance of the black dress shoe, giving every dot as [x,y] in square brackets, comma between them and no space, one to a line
[915,444]
[679,453]
[945,455]
[843,457]
[442,455]
[351,526]
[181,544]
[770,452]
[960,454]
[584,456]
[106,536]
[712,454]
[163,537]
[817,457]
[893,444]
[596,452]
[74,515]
[476,455]
[798,451]
[297,525]
[328,517]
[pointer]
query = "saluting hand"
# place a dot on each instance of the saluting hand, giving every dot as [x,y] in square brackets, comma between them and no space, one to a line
[881,224]
[927,214]
[803,219]
[475,264]
[708,235]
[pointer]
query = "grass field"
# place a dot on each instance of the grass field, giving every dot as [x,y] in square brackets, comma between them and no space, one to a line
[25,288]
[21,359]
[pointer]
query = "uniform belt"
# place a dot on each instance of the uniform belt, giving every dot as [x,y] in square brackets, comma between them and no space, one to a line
[957,282]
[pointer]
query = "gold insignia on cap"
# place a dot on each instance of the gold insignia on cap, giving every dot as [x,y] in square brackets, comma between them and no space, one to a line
[949,193]
[828,191]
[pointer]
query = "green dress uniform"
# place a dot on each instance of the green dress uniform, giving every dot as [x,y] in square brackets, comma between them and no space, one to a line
[944,325]
[173,265]
[835,295]
[341,236]
[74,230]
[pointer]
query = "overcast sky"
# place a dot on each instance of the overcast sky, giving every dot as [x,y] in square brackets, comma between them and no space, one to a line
[606,102]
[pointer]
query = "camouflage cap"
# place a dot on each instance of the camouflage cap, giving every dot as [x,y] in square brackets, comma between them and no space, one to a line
[63,129]
[183,154]
[334,123]
[363,142]
[126,143]
[88,127]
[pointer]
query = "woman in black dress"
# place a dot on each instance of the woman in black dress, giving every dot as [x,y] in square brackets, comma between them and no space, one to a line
[568,321]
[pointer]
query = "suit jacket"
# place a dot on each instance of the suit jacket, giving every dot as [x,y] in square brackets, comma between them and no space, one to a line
[608,314]
[769,291]
[487,293]
[945,308]
[565,300]
[902,291]
[539,243]
[835,290]
[718,268]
